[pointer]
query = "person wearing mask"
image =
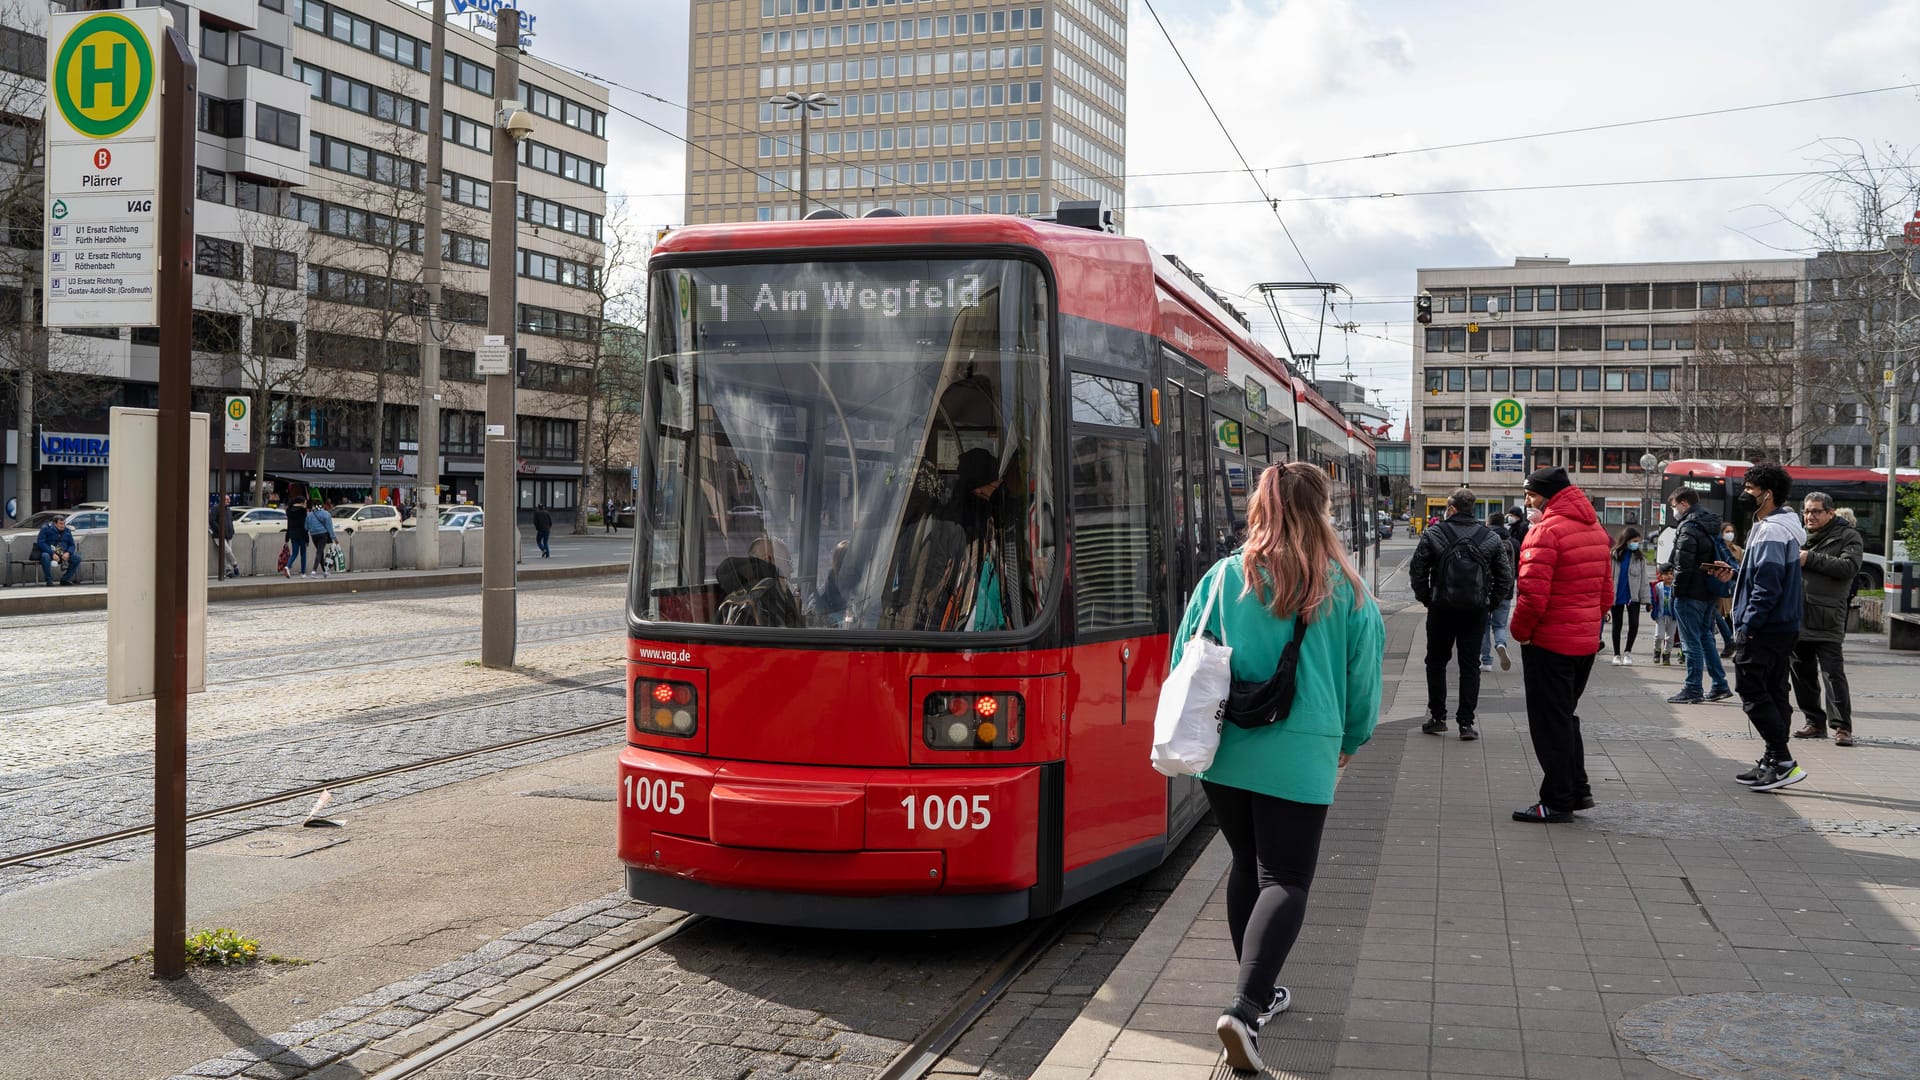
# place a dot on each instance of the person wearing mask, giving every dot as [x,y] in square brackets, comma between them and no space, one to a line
[1768,598]
[1695,597]
[542,529]
[1829,563]
[1629,589]
[52,545]
[1460,572]
[1270,787]
[296,538]
[1664,623]
[1564,589]
[220,527]
[1723,610]
[1517,526]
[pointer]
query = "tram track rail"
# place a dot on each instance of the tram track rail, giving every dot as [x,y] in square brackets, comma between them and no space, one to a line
[447,642]
[304,791]
[555,688]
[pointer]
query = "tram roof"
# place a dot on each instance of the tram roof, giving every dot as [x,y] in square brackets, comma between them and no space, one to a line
[1721,468]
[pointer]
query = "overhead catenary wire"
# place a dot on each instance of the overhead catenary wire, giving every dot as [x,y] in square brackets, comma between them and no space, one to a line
[1272,204]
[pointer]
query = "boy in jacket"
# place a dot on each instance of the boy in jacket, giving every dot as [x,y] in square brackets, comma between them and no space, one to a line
[1767,599]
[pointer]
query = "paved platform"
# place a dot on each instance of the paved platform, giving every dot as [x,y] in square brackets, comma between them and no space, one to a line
[594,554]
[1686,925]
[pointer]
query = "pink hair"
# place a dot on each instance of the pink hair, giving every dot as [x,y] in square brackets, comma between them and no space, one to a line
[1290,541]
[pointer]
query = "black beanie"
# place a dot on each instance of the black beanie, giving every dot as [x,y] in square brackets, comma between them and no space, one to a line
[1547,483]
[977,468]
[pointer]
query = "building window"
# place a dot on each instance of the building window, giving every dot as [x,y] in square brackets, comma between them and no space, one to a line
[277,126]
[221,118]
[262,54]
[211,185]
[280,269]
[214,257]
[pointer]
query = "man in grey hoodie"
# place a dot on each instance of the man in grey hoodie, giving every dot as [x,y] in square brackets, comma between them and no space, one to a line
[1767,600]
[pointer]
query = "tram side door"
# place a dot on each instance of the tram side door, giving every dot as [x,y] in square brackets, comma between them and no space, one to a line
[1187,475]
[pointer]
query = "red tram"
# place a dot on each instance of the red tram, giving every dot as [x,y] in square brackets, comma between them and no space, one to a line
[927,496]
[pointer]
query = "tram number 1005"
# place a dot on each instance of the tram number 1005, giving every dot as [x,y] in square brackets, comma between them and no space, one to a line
[951,812]
[660,796]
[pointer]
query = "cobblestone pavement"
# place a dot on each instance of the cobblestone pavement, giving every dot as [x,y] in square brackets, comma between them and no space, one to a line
[410,694]
[724,1000]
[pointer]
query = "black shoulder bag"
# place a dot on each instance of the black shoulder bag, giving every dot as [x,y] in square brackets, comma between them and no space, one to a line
[1258,704]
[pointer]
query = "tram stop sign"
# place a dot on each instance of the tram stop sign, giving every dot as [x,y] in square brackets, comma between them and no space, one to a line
[1507,452]
[103,167]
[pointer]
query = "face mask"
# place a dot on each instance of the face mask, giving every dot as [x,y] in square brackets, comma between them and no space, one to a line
[1747,502]
[1534,515]
[1512,520]
[1727,536]
[1633,545]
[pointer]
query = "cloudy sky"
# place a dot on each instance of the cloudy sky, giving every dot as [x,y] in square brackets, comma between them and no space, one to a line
[1299,81]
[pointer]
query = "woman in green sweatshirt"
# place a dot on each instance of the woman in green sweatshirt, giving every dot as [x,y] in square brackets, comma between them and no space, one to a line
[1270,787]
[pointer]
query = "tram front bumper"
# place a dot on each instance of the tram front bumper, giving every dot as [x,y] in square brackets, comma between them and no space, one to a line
[829,831]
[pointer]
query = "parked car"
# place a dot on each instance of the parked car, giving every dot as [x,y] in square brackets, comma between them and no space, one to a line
[623,518]
[90,506]
[462,518]
[258,521]
[1385,522]
[80,521]
[351,518]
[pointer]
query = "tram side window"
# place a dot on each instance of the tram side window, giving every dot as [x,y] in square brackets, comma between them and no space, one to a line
[1113,556]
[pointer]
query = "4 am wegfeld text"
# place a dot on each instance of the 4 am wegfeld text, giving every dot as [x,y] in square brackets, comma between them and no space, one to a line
[853,298]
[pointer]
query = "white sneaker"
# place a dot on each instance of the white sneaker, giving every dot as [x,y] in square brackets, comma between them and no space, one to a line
[1241,1043]
[1486,665]
[1626,659]
[1615,661]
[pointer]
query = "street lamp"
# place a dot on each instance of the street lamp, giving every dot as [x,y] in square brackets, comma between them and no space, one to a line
[805,105]
[1649,465]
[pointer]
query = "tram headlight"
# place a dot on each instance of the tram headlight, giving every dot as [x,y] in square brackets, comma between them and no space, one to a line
[973,720]
[665,708]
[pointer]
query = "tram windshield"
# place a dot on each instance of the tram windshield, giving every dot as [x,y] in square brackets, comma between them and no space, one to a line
[848,445]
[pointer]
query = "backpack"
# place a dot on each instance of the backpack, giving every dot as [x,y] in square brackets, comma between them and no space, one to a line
[766,602]
[1461,573]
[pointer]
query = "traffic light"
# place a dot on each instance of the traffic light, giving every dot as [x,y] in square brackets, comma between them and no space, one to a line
[1423,308]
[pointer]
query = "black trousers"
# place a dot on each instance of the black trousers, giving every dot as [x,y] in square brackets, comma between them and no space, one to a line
[1275,844]
[1554,683]
[1813,661]
[1632,613]
[1454,635]
[1760,674]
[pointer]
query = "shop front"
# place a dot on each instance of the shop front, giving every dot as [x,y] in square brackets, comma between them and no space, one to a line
[72,468]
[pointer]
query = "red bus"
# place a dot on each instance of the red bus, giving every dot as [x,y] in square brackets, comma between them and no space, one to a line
[928,496]
[1864,491]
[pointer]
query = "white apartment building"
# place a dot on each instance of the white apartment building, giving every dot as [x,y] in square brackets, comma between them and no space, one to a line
[311,169]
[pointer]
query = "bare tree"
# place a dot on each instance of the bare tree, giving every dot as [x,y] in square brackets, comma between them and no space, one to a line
[609,357]
[1748,388]
[1848,218]
[45,374]
[249,333]
[362,326]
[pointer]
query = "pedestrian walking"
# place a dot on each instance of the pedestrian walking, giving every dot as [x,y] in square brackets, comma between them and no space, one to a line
[220,527]
[1460,572]
[607,517]
[1270,786]
[320,531]
[1629,587]
[542,528]
[1696,595]
[1829,564]
[296,538]
[1563,590]
[1768,599]
[1494,638]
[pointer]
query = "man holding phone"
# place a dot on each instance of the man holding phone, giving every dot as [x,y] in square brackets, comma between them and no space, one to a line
[1695,598]
[1767,600]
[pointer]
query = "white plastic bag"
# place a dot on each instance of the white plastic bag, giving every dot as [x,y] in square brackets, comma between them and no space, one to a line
[1193,701]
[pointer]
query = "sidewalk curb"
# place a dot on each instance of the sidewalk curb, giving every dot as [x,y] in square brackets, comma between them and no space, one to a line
[1081,1050]
[47,602]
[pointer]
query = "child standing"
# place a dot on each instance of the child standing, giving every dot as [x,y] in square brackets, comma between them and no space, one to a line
[1666,619]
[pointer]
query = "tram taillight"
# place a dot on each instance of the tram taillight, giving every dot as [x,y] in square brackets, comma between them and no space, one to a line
[665,708]
[969,720]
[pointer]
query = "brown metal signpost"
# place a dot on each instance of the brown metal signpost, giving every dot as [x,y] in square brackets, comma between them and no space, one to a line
[178,78]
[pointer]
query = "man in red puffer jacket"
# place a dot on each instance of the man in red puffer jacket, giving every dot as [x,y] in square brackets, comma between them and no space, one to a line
[1564,590]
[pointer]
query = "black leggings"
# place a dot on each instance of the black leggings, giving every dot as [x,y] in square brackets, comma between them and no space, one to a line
[1633,625]
[1275,843]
